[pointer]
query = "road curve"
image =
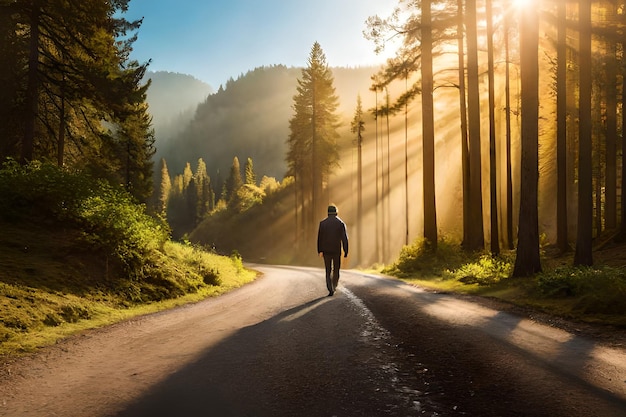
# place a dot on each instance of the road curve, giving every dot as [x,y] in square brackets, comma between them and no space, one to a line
[281,347]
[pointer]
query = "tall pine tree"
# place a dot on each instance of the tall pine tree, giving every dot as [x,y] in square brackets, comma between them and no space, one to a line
[312,144]
[357,127]
[67,71]
[249,172]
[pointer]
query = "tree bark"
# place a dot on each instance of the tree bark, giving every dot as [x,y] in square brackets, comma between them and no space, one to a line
[476,238]
[527,261]
[583,253]
[622,227]
[561,131]
[32,92]
[493,186]
[428,130]
[509,179]
[610,203]
[464,135]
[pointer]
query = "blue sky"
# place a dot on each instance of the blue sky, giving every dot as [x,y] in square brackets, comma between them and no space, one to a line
[217,39]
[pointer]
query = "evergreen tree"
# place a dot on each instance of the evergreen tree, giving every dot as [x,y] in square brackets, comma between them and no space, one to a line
[234,181]
[135,144]
[204,191]
[475,237]
[12,47]
[68,71]
[312,144]
[422,32]
[527,260]
[562,240]
[465,174]
[165,189]
[428,125]
[187,175]
[493,189]
[249,170]
[175,207]
[357,127]
[583,253]
[191,207]
[508,134]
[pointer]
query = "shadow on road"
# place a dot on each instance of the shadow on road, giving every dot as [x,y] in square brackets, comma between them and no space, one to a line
[494,356]
[306,361]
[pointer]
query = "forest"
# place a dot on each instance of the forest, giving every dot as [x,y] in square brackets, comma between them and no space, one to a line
[540,92]
[484,128]
[70,92]
[497,124]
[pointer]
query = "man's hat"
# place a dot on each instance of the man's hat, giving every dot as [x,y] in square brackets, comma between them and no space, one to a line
[332,210]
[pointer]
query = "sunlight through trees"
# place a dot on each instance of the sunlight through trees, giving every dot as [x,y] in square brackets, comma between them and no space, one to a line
[555,137]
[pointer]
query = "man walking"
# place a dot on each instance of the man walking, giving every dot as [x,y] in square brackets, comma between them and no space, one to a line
[331,236]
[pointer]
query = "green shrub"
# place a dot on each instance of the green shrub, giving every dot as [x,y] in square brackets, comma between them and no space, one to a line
[419,258]
[487,270]
[598,289]
[40,189]
[72,313]
[109,216]
[576,281]
[210,276]
[115,222]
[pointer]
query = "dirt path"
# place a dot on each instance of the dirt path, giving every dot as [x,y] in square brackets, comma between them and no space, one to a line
[280,347]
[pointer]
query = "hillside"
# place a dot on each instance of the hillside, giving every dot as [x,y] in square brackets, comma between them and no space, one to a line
[172,100]
[249,117]
[76,252]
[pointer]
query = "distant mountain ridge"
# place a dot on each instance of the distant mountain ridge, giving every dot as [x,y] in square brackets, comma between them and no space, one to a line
[249,118]
[172,99]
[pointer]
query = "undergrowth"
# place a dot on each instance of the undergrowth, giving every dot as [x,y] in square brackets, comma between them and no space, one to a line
[600,289]
[587,293]
[76,252]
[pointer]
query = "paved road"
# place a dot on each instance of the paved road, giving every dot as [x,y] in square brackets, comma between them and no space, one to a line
[281,347]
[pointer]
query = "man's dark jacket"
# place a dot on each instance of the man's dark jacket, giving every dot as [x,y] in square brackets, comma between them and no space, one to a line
[332,235]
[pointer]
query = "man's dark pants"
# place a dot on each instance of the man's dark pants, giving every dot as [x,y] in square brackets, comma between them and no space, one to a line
[332,262]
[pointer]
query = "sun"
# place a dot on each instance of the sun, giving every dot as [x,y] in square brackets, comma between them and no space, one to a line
[518,4]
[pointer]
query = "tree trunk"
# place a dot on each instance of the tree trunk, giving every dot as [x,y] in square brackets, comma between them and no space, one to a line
[32,92]
[583,253]
[476,239]
[62,126]
[387,194]
[509,179]
[527,261]
[610,202]
[316,189]
[561,131]
[493,189]
[378,228]
[359,214]
[622,227]
[406,160]
[428,130]
[464,137]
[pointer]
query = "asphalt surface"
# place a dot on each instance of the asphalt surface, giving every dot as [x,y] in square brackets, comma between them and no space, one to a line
[281,347]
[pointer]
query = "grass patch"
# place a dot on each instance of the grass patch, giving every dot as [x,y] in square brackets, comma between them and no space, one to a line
[77,253]
[594,295]
[36,316]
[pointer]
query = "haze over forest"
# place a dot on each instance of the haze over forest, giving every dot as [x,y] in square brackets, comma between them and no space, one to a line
[481,119]
[247,117]
[408,165]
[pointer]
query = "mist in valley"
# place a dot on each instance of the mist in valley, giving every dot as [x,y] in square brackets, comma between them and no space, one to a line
[172,101]
[249,118]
